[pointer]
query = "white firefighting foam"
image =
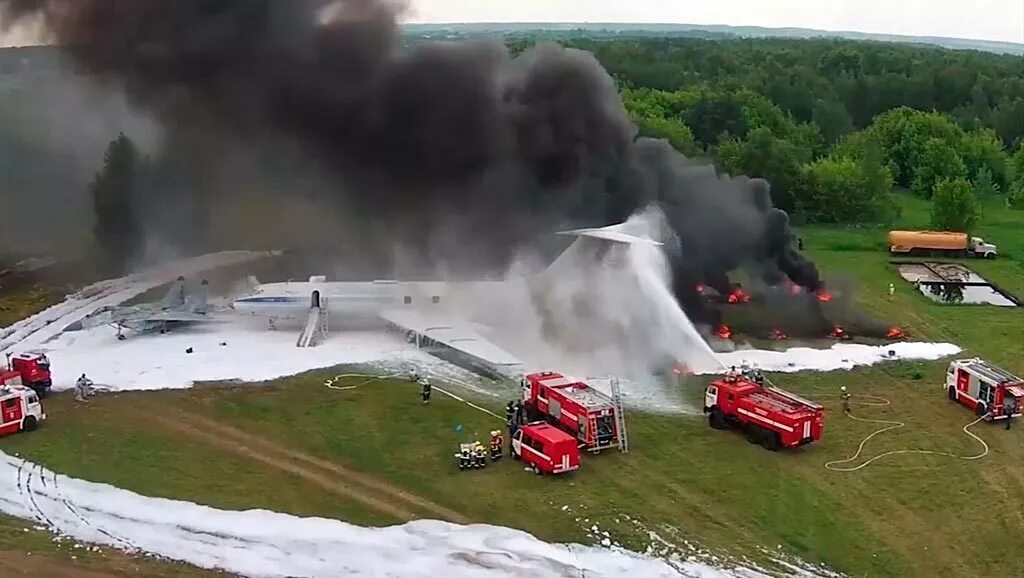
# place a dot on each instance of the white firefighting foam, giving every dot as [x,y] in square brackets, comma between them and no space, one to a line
[260,543]
[839,356]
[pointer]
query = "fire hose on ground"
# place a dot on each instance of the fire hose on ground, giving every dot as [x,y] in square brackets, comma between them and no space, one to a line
[894,425]
[332,383]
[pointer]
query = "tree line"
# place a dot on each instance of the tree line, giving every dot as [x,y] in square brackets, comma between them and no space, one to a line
[834,125]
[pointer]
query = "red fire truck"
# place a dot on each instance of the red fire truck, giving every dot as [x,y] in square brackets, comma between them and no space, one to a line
[546,449]
[587,413]
[768,415]
[20,409]
[30,369]
[984,388]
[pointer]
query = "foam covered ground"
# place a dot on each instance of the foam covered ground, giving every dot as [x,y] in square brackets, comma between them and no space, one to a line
[267,544]
[839,356]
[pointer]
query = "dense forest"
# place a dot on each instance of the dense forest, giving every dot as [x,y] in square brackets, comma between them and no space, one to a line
[834,125]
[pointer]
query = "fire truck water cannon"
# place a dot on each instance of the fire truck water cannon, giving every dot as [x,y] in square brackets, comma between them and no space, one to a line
[594,418]
[767,415]
[31,370]
[992,392]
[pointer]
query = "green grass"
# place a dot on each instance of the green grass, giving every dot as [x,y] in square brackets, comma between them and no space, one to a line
[905,515]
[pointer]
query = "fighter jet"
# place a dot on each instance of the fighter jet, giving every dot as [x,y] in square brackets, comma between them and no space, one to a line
[177,308]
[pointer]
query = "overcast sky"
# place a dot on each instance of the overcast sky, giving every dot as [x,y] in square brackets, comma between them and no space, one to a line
[977,19]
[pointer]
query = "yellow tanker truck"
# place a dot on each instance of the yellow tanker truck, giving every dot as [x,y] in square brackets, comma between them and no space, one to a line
[939,242]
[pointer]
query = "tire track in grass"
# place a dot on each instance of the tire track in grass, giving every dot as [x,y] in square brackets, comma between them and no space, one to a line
[370,491]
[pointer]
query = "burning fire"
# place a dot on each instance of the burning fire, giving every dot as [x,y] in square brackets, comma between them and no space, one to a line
[778,335]
[723,332]
[895,333]
[738,296]
[839,333]
[700,288]
[824,296]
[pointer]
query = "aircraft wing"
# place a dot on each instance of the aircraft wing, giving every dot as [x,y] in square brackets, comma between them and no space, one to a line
[457,337]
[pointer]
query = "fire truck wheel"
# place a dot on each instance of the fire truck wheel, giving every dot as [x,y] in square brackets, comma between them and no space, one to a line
[716,419]
[753,434]
[980,409]
[952,394]
[769,440]
[29,424]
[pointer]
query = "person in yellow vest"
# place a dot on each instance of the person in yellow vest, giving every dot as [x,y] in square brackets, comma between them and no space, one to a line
[496,445]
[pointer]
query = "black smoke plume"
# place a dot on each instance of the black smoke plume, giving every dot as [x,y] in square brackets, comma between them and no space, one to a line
[461,152]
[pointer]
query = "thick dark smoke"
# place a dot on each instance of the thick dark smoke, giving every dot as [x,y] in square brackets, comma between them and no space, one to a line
[457,150]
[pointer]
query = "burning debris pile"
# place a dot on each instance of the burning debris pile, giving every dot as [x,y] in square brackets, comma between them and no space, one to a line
[425,150]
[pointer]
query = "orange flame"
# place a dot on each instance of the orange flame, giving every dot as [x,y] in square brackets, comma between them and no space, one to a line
[824,296]
[778,335]
[700,288]
[723,332]
[738,296]
[839,333]
[895,333]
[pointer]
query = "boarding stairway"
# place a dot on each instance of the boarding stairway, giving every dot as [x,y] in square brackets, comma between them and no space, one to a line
[316,326]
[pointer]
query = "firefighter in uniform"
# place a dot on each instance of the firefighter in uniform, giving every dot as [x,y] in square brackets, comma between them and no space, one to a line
[480,457]
[1009,407]
[83,388]
[465,459]
[846,399]
[496,443]
[426,389]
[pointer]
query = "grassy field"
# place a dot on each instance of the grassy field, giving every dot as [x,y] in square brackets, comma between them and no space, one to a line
[375,455]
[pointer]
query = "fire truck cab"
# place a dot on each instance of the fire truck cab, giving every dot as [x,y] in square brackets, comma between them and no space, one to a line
[984,387]
[546,449]
[33,370]
[20,409]
[768,415]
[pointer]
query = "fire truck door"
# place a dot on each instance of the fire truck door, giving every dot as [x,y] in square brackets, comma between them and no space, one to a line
[963,380]
[555,408]
[11,409]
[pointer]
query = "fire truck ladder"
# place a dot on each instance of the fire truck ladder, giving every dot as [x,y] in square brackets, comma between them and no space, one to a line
[316,325]
[620,415]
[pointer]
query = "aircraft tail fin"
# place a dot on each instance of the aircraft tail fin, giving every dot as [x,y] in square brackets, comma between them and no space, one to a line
[199,301]
[595,244]
[175,297]
[611,233]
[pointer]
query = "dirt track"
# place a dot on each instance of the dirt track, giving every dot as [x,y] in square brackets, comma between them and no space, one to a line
[344,482]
